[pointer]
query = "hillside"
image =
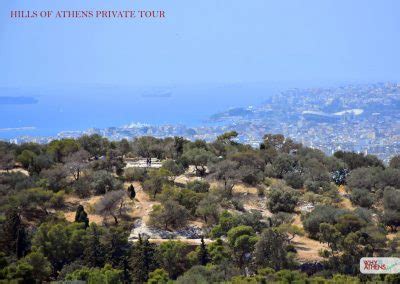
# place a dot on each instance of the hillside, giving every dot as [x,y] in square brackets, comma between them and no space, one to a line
[280,210]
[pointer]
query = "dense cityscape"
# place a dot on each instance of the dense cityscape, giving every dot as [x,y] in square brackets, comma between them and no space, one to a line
[360,118]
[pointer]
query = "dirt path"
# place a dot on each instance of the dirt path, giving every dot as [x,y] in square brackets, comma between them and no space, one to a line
[307,249]
[345,203]
[16,170]
[143,205]
[191,242]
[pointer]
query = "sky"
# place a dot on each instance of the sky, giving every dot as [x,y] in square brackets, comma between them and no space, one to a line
[202,42]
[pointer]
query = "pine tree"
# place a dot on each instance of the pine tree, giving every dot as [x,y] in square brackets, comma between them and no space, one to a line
[143,260]
[21,244]
[132,192]
[14,238]
[116,246]
[94,253]
[81,216]
[203,255]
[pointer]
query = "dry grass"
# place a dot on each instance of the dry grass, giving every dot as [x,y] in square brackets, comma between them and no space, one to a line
[307,249]
[184,179]
[142,205]
[345,203]
[88,203]
[72,202]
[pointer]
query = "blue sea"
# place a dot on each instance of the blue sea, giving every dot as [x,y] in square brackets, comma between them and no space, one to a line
[50,110]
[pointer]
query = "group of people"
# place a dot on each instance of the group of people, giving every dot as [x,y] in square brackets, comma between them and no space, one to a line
[148,162]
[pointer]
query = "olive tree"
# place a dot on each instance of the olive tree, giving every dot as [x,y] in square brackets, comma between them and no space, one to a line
[112,204]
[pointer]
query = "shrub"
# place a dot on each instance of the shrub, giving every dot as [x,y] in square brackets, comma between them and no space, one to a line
[169,215]
[198,186]
[321,214]
[282,199]
[362,197]
[135,174]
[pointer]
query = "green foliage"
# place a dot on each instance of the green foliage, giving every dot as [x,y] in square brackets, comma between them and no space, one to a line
[57,200]
[173,167]
[242,240]
[6,161]
[94,254]
[355,160]
[251,166]
[154,184]
[227,136]
[219,252]
[60,243]
[291,230]
[41,267]
[158,276]
[82,186]
[94,144]
[106,275]
[321,214]
[362,197]
[208,209]
[202,255]
[172,257]
[282,199]
[37,245]
[18,272]
[26,158]
[395,162]
[103,181]
[199,157]
[198,186]
[55,178]
[31,200]
[135,174]
[347,223]
[391,203]
[117,248]
[13,238]
[283,165]
[132,192]
[81,216]
[185,197]
[271,250]
[60,149]
[289,276]
[112,204]
[280,218]
[294,179]
[228,172]
[202,274]
[226,222]
[143,260]
[169,215]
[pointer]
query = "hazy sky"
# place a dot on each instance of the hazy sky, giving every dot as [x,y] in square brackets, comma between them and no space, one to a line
[203,41]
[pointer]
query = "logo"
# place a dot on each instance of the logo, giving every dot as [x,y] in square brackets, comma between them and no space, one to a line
[380,265]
